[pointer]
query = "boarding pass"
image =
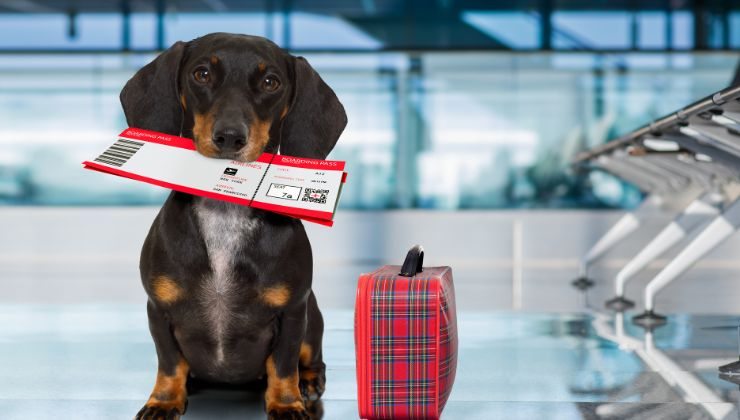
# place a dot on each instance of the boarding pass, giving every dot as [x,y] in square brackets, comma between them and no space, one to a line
[299,187]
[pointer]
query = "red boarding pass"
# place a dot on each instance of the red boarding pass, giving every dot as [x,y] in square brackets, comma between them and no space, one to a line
[299,187]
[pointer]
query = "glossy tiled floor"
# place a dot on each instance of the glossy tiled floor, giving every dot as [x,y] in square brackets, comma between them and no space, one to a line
[97,361]
[74,342]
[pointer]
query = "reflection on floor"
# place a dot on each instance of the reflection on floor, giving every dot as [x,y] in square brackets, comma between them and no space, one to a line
[98,361]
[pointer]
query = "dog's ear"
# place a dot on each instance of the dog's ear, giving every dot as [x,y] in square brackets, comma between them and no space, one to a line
[150,99]
[316,118]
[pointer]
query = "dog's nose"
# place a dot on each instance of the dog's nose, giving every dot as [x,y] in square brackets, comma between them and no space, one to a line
[230,139]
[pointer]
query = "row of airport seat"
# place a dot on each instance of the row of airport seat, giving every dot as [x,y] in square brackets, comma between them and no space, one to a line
[687,163]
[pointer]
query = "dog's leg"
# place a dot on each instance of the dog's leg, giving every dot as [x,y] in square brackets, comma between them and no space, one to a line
[312,367]
[283,398]
[169,397]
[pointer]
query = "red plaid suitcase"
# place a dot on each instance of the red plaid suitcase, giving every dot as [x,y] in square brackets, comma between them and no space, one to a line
[405,340]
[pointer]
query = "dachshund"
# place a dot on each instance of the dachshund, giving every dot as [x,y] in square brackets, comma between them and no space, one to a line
[228,286]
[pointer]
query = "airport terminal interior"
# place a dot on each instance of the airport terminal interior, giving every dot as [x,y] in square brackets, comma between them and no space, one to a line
[574,162]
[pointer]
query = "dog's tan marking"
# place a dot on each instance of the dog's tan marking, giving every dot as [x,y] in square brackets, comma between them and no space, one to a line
[282,392]
[309,375]
[169,391]
[214,60]
[202,132]
[275,296]
[261,66]
[306,354]
[166,289]
[183,102]
[259,135]
[284,112]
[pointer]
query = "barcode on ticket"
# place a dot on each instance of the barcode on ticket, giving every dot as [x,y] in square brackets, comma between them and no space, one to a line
[120,152]
[312,195]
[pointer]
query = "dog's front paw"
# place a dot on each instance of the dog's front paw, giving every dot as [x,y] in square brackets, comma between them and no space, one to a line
[312,385]
[164,410]
[287,412]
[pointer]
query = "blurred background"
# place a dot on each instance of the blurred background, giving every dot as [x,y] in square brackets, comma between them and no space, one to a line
[456,108]
[452,104]
[464,117]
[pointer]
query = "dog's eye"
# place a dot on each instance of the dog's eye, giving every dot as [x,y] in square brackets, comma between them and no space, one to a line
[270,84]
[202,75]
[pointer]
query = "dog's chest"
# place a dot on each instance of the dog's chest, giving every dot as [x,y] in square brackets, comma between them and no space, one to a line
[227,231]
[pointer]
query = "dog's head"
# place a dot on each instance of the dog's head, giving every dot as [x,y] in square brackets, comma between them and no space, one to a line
[236,96]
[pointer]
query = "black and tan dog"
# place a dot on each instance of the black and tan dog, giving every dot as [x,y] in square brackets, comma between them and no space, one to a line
[229,287]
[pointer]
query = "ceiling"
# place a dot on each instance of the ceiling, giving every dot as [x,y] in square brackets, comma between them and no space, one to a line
[350,7]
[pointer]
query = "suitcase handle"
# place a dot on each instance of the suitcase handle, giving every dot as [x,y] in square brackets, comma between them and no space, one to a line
[414,262]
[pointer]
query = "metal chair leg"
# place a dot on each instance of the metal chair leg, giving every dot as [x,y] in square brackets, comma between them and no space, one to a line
[731,371]
[721,228]
[697,213]
[618,232]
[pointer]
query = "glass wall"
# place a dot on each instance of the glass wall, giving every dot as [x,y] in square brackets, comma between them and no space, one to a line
[452,105]
[500,130]
[434,130]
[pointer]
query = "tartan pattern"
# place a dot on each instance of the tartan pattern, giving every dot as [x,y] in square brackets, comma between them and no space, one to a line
[407,347]
[447,339]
